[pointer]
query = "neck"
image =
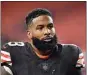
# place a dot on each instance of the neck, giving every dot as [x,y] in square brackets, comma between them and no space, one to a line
[41,54]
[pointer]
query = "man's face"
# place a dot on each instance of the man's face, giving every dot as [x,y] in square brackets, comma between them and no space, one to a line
[43,32]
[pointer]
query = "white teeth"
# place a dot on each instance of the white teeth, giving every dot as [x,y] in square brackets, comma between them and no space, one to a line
[47,40]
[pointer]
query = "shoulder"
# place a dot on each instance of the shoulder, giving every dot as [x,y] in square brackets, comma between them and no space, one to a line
[12,44]
[71,47]
[9,47]
[74,53]
[71,51]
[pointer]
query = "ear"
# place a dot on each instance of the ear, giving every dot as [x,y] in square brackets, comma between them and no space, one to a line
[29,34]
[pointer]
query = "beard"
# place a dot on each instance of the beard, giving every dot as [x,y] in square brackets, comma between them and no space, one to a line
[44,46]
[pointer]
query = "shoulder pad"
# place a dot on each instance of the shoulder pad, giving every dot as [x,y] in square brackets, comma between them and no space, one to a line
[7,45]
[73,46]
[69,45]
[5,51]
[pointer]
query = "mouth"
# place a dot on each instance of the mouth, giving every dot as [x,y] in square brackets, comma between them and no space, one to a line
[47,39]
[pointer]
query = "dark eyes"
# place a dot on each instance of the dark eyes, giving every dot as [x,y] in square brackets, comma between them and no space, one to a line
[40,27]
[50,26]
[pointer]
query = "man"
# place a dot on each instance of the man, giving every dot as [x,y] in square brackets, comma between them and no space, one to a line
[42,55]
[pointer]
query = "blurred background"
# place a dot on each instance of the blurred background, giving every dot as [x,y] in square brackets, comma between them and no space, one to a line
[69,20]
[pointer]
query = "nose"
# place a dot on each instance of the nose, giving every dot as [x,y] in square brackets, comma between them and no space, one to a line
[47,31]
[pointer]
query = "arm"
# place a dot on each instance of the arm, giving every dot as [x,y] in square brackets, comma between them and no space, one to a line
[5,61]
[5,71]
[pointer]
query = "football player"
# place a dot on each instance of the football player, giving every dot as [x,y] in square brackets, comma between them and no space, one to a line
[43,54]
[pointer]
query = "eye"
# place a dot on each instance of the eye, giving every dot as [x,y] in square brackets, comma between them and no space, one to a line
[39,27]
[50,26]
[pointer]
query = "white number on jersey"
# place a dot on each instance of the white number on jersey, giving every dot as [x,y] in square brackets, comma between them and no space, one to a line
[15,43]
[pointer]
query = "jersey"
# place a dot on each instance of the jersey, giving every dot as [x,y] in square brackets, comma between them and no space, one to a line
[66,59]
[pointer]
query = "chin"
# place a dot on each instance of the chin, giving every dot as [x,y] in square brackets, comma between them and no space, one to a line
[43,46]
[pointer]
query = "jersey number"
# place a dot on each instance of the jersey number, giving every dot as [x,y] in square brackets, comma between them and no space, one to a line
[16,44]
